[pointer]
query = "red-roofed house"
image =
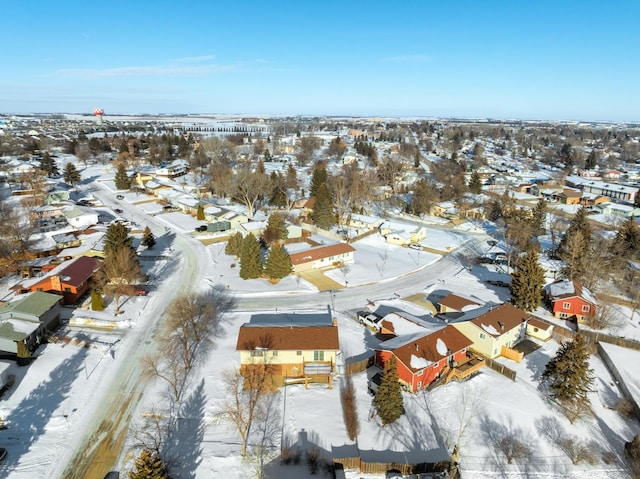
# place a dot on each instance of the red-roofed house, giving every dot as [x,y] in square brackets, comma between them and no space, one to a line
[569,299]
[423,359]
[322,257]
[290,350]
[69,279]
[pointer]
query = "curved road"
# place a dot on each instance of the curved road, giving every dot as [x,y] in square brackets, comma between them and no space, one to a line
[98,449]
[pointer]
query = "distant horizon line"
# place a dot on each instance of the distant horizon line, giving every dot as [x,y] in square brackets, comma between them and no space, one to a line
[343,116]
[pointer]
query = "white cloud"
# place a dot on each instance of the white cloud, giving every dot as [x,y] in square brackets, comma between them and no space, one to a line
[182,67]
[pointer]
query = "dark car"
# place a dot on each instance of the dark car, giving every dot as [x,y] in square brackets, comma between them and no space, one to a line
[118,211]
[3,453]
[201,228]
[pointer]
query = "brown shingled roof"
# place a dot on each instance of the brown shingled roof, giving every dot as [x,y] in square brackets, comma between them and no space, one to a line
[502,318]
[288,338]
[319,252]
[456,302]
[425,347]
[80,270]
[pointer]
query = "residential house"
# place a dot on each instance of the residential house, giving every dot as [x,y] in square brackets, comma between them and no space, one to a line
[172,171]
[421,359]
[569,299]
[80,217]
[457,304]
[621,193]
[570,197]
[26,321]
[292,346]
[320,257]
[364,222]
[255,227]
[69,279]
[402,234]
[495,330]
[616,209]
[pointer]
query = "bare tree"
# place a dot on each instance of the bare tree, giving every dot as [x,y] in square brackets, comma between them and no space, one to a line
[248,394]
[249,186]
[120,272]
[169,368]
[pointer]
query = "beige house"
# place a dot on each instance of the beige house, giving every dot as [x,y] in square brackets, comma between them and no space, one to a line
[320,257]
[393,234]
[500,327]
[539,330]
[294,347]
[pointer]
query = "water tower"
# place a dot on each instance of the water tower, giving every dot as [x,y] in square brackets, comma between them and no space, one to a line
[98,112]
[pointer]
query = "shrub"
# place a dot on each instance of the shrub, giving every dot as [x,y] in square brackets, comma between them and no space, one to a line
[625,408]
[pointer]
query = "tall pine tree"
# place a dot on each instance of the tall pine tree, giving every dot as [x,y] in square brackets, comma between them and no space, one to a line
[234,245]
[628,239]
[276,229]
[148,239]
[575,245]
[48,164]
[122,180]
[149,465]
[322,214]
[527,282]
[278,264]
[475,184]
[388,400]
[567,374]
[71,174]
[116,237]
[250,258]
[318,178]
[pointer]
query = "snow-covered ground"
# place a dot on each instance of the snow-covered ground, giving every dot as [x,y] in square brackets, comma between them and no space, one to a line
[53,400]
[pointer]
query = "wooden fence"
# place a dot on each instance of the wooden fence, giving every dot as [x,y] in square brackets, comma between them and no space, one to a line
[500,368]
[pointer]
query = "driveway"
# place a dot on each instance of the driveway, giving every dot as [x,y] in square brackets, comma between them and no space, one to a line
[320,281]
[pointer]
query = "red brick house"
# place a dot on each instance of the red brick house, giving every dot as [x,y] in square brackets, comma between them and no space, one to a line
[422,359]
[69,279]
[569,299]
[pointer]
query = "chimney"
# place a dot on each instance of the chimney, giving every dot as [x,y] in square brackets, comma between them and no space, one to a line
[417,347]
[334,323]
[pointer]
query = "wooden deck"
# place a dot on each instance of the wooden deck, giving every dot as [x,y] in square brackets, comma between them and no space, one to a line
[463,370]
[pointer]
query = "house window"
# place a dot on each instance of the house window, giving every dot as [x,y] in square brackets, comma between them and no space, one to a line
[298,353]
[586,308]
[67,290]
[256,353]
[419,384]
[318,355]
[275,353]
[566,305]
[482,336]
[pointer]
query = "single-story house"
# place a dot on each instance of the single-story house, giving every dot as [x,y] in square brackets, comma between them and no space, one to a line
[291,346]
[255,227]
[493,329]
[24,322]
[80,217]
[568,299]
[423,359]
[570,197]
[364,222]
[322,257]
[69,279]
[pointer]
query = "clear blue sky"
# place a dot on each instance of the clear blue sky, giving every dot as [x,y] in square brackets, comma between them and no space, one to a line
[510,59]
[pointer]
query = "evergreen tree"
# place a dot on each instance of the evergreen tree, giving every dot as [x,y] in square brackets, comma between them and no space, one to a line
[388,400]
[527,282]
[292,178]
[48,164]
[116,237]
[200,213]
[148,239]
[575,245]
[97,301]
[628,239]
[149,465]
[475,185]
[122,179]
[275,231]
[234,245]
[539,217]
[278,264]
[250,258]
[267,155]
[318,178]
[591,161]
[71,174]
[567,374]
[322,214]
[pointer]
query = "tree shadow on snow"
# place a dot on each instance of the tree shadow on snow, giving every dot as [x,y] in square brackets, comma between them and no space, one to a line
[28,421]
[183,445]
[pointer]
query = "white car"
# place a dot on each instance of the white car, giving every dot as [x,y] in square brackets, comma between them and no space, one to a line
[369,319]
[415,246]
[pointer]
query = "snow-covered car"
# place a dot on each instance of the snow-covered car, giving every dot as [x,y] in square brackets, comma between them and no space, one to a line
[370,319]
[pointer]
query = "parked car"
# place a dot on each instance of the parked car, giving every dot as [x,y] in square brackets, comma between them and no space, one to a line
[369,319]
[3,453]
[118,211]
[119,197]
[140,291]
[415,246]
[201,228]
